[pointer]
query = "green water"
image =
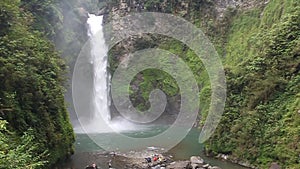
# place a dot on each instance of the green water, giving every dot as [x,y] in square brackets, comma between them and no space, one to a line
[188,147]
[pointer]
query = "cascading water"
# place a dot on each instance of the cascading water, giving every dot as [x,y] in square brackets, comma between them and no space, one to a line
[100,118]
[94,113]
[96,118]
[99,61]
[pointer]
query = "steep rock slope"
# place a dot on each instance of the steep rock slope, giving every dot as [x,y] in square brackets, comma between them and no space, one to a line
[258,42]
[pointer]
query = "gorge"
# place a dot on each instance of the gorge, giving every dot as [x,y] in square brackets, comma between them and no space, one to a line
[43,45]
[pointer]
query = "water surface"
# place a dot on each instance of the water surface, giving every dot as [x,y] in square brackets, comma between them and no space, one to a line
[87,150]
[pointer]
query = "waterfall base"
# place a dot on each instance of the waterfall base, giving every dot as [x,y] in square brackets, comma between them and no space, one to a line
[117,124]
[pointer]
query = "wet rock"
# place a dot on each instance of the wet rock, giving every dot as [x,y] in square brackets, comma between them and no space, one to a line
[244,163]
[196,160]
[223,156]
[163,165]
[178,165]
[214,167]
[206,166]
[189,166]
[156,167]
[195,166]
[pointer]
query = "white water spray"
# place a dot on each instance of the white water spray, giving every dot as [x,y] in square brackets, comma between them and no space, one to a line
[100,118]
[97,119]
[99,60]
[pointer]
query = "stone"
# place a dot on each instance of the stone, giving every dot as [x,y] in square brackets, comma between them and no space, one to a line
[206,166]
[178,165]
[274,166]
[156,167]
[163,165]
[195,166]
[214,167]
[196,160]
[225,157]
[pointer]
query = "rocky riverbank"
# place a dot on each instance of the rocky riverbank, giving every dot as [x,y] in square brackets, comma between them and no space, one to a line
[167,163]
[137,160]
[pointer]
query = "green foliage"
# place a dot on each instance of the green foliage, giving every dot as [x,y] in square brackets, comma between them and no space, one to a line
[163,6]
[7,12]
[46,14]
[19,152]
[261,53]
[153,5]
[141,88]
[261,118]
[148,80]
[31,89]
[261,56]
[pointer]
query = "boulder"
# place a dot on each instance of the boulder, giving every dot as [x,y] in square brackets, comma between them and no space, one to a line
[206,166]
[196,160]
[178,165]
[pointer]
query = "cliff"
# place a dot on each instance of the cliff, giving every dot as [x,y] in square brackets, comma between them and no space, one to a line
[258,43]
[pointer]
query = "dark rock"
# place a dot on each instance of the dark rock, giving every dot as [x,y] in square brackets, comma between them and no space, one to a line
[163,165]
[189,166]
[206,166]
[195,166]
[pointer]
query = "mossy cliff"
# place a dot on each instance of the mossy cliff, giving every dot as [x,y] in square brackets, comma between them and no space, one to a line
[258,43]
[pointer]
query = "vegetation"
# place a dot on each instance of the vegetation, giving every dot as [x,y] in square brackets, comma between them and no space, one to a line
[262,114]
[19,152]
[259,47]
[260,50]
[32,76]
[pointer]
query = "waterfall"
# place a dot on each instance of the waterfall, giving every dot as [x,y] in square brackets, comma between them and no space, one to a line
[99,119]
[99,61]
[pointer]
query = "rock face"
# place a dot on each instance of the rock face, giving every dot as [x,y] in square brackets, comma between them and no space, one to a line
[182,8]
[223,5]
[215,8]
